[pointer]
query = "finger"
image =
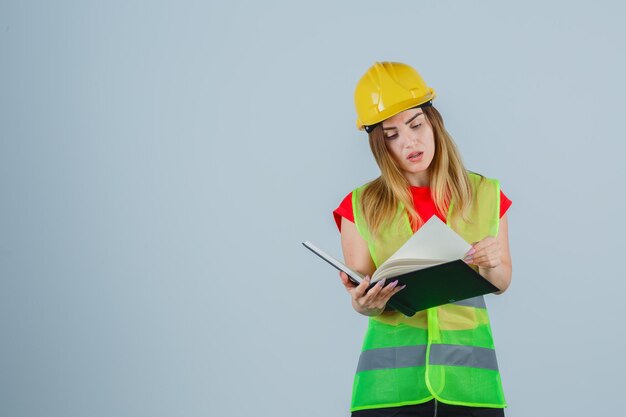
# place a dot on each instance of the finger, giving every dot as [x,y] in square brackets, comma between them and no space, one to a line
[360,289]
[479,246]
[397,290]
[388,289]
[482,244]
[393,292]
[488,250]
[477,258]
[469,255]
[490,253]
[373,292]
[345,280]
[490,261]
[470,252]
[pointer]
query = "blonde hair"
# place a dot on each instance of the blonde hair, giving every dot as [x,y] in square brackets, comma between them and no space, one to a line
[448,180]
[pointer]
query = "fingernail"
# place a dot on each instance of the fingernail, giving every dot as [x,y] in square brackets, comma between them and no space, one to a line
[402,286]
[471,251]
[381,282]
[469,258]
[393,284]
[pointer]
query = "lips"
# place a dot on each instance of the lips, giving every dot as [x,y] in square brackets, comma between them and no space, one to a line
[414,155]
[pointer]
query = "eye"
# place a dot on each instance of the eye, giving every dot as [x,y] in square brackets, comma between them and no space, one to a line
[391,136]
[416,126]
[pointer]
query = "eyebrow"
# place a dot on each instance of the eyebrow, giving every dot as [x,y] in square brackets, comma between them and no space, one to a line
[406,123]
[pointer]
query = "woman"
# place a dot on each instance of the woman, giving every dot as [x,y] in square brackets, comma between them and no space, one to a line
[442,360]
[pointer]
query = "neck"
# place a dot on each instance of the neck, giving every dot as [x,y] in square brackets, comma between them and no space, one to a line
[418,179]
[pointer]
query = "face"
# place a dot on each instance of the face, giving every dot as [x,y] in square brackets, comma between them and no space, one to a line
[410,140]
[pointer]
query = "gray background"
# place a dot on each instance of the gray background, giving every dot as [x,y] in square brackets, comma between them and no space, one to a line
[160,164]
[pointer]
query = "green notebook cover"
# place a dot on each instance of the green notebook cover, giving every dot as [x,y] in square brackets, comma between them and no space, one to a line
[432,286]
[436,285]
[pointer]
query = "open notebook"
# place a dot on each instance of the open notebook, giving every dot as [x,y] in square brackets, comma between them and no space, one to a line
[429,264]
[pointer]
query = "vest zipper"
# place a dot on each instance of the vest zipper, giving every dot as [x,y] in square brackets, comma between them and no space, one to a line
[435,408]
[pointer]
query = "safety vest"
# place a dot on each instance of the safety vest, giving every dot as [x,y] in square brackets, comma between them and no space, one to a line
[444,352]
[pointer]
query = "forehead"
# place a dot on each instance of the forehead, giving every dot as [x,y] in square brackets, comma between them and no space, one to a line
[401,117]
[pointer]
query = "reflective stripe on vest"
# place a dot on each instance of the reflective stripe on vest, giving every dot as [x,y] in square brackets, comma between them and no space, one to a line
[445,352]
[460,355]
[440,354]
[476,302]
[392,357]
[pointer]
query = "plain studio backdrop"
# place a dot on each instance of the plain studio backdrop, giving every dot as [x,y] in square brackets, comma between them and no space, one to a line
[161,163]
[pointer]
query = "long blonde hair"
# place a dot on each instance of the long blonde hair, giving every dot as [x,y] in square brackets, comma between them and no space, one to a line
[448,179]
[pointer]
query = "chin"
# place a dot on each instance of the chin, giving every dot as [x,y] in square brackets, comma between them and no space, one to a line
[415,168]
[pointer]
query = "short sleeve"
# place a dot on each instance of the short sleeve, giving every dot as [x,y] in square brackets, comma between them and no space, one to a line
[505,203]
[344,210]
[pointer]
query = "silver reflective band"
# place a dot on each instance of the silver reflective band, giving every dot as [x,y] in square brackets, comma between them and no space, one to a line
[392,357]
[460,355]
[476,302]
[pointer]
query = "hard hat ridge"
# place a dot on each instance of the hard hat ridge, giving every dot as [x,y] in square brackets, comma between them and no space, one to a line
[386,89]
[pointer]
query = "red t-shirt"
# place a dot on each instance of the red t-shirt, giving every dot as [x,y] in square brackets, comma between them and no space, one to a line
[422,201]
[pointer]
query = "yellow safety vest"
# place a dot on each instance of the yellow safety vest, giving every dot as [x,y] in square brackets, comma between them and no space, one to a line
[444,352]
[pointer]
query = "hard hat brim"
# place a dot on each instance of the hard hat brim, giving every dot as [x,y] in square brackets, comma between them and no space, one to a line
[398,108]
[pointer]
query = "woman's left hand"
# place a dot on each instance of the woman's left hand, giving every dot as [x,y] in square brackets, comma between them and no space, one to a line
[485,254]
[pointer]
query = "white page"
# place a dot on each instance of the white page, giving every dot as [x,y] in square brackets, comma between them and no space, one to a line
[434,240]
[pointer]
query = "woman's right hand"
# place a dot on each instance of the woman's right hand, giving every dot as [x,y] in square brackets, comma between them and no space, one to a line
[372,302]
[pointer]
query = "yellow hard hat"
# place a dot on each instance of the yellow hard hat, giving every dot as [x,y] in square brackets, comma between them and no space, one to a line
[386,89]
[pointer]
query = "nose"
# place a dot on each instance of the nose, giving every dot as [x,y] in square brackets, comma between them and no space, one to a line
[412,137]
